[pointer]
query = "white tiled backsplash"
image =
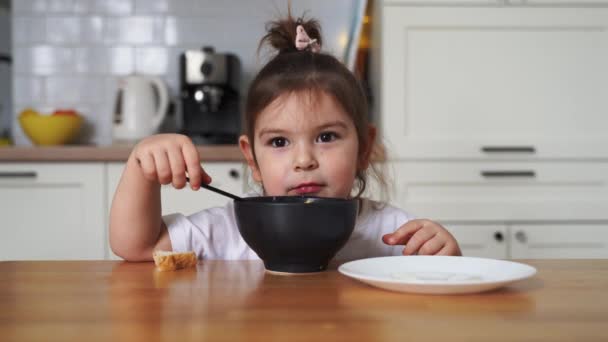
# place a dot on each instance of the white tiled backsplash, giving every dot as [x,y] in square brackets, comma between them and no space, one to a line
[71,53]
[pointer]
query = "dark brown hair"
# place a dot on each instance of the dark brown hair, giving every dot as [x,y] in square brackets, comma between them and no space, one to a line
[294,71]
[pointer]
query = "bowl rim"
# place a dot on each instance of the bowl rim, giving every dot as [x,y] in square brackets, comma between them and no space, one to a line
[294,199]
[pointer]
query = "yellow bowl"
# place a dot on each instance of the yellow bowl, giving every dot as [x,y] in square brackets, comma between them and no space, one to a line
[51,129]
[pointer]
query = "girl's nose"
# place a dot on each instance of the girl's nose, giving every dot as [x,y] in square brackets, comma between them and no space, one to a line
[305,159]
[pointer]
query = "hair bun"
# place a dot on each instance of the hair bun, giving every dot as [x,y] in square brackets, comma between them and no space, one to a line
[281,34]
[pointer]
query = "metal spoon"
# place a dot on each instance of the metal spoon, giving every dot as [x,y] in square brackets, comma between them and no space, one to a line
[219,191]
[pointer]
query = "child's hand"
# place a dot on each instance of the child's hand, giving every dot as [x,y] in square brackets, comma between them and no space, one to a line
[423,237]
[167,157]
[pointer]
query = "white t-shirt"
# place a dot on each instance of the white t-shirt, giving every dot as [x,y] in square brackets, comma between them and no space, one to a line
[213,233]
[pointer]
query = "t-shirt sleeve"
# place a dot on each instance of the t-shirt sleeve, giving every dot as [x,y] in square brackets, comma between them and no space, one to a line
[211,233]
[186,236]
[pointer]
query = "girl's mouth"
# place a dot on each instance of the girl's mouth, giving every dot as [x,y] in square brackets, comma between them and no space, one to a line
[307,188]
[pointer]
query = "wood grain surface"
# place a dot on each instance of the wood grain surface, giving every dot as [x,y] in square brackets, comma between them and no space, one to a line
[237,300]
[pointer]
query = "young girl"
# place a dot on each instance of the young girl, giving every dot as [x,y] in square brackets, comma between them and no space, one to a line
[306,134]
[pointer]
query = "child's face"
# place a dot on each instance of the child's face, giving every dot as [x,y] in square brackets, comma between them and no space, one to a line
[305,144]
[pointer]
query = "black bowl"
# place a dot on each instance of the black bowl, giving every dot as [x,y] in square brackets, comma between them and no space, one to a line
[296,234]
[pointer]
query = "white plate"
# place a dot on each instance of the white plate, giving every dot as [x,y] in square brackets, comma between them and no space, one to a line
[436,274]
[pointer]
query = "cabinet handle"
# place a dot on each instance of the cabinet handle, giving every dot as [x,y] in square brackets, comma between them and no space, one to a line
[508,149]
[5,58]
[521,236]
[234,174]
[21,175]
[499,237]
[507,174]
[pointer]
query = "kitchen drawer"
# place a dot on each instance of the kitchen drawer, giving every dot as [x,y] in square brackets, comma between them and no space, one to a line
[392,3]
[52,211]
[502,191]
[543,240]
[559,241]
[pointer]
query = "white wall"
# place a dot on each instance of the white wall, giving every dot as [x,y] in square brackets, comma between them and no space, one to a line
[71,53]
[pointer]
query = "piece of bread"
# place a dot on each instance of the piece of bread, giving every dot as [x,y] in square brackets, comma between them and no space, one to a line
[171,261]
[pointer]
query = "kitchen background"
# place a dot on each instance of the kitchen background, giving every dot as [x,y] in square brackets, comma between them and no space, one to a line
[492,112]
[71,53]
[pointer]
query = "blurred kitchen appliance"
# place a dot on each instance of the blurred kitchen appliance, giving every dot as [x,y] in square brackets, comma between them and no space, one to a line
[5,96]
[6,74]
[141,107]
[210,100]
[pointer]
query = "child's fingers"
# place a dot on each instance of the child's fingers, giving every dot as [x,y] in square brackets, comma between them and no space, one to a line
[163,169]
[401,235]
[196,173]
[423,237]
[178,167]
[432,246]
[449,249]
[445,250]
[146,162]
[419,238]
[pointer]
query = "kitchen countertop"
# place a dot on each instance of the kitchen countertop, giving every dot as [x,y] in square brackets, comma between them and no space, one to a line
[237,300]
[90,153]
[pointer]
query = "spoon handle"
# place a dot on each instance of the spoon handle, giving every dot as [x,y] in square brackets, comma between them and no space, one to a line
[219,191]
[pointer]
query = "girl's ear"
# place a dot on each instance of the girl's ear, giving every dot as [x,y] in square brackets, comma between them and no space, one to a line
[366,152]
[248,153]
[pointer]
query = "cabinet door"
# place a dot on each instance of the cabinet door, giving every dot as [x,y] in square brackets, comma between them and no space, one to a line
[446,2]
[493,82]
[582,3]
[502,191]
[478,240]
[576,240]
[227,176]
[52,211]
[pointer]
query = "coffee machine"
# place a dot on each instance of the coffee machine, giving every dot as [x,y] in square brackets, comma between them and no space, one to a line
[210,100]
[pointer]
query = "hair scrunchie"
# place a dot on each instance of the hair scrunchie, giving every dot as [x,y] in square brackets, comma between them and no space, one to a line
[304,42]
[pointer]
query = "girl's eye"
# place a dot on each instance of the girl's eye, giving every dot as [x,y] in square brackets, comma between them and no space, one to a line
[278,142]
[327,137]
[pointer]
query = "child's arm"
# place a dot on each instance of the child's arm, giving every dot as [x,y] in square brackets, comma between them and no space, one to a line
[423,237]
[136,226]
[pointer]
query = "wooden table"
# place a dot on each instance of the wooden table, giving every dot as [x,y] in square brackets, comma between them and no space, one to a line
[237,300]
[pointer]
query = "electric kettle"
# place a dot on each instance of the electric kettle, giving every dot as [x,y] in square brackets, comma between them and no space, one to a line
[140,107]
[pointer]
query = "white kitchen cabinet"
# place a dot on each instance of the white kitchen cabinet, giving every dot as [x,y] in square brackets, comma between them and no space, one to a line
[494,117]
[511,209]
[481,240]
[560,2]
[228,176]
[502,191]
[52,211]
[482,82]
[555,240]
[559,240]
[445,2]
[502,3]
